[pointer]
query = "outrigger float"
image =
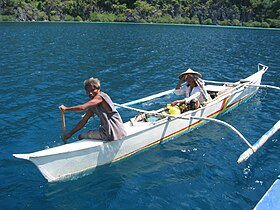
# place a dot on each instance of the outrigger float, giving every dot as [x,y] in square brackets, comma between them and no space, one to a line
[148,129]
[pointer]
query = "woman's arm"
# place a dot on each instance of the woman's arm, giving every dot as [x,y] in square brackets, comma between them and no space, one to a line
[180,83]
[178,90]
[186,100]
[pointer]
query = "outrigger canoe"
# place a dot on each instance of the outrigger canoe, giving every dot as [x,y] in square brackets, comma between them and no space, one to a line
[144,130]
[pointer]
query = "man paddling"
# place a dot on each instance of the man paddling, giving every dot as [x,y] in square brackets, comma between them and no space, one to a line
[111,124]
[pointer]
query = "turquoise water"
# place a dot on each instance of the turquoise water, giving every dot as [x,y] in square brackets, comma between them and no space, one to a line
[43,65]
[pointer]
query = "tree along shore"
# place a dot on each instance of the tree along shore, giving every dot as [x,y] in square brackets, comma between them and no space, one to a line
[250,13]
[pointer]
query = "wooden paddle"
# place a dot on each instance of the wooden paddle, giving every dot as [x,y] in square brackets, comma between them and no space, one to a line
[63,127]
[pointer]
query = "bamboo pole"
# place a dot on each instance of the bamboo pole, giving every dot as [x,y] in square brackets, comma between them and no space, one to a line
[254,85]
[266,86]
[148,98]
[245,155]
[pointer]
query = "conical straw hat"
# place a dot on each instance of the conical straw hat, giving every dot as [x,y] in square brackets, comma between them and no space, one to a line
[190,71]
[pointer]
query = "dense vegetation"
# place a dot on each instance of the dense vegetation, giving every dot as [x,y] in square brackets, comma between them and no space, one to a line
[260,13]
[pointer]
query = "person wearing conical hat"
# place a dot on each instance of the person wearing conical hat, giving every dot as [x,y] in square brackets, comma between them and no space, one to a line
[192,87]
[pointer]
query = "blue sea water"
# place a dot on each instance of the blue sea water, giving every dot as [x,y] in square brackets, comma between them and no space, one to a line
[43,65]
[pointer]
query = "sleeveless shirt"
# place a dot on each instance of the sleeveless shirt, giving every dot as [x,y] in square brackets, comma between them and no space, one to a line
[111,124]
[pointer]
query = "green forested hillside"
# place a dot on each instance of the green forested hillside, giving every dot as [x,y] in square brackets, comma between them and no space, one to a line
[260,13]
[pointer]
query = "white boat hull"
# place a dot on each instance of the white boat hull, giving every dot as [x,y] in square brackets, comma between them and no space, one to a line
[64,161]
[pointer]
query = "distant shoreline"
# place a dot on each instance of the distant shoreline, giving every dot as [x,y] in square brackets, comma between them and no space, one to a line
[259,14]
[134,23]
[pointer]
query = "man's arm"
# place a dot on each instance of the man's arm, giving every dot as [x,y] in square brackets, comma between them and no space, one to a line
[80,125]
[79,108]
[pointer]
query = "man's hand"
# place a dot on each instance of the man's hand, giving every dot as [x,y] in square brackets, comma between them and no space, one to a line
[62,108]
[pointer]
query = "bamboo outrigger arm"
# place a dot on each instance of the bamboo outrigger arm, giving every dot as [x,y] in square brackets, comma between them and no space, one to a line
[266,86]
[252,148]
[245,155]
[188,118]
[254,85]
[148,98]
[227,125]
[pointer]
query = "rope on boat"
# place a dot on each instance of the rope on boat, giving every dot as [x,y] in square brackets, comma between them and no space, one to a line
[245,155]
[188,118]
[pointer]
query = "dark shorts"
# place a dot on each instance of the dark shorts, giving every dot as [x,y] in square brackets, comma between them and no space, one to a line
[92,134]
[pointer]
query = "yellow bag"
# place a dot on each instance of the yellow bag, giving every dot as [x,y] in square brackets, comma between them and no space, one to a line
[173,110]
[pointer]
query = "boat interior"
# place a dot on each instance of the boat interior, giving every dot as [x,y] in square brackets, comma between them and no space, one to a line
[213,90]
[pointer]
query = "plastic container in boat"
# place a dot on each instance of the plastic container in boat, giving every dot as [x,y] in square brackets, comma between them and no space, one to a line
[152,119]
